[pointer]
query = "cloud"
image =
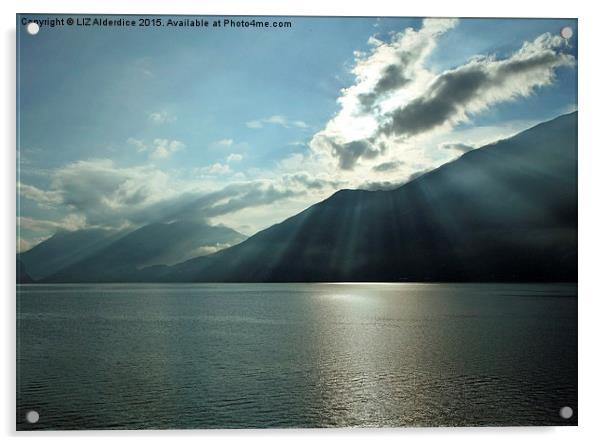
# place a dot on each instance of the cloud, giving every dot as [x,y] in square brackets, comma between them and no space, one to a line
[457,146]
[233,198]
[392,66]
[308,181]
[350,152]
[158,149]
[346,154]
[417,174]
[43,197]
[254,124]
[209,249]
[480,84]
[381,185]
[224,143]
[217,169]
[138,144]
[100,194]
[396,98]
[276,120]
[45,228]
[69,222]
[387,166]
[385,77]
[234,157]
[164,148]
[292,163]
[299,124]
[161,117]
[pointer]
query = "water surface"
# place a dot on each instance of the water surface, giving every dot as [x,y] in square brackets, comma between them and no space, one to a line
[295,355]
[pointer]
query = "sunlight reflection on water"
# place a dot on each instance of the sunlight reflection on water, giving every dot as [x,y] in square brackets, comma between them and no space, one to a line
[308,355]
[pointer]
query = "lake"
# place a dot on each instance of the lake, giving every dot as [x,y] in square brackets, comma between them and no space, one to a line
[132,356]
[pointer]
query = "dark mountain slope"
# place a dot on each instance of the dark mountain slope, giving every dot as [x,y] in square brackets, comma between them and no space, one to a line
[505,212]
[22,276]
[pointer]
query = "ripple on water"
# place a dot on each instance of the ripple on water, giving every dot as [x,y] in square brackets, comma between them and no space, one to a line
[232,356]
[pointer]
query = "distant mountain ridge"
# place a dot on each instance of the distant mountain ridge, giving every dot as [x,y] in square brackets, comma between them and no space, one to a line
[63,249]
[504,212]
[153,244]
[104,255]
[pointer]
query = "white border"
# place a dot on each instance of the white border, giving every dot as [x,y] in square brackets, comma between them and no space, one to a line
[590,188]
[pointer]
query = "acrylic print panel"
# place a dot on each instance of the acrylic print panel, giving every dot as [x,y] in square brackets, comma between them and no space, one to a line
[267,222]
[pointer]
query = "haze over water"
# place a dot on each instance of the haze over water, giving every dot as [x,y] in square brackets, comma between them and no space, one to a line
[295,355]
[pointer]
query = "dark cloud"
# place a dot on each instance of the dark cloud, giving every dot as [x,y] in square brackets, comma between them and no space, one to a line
[547,58]
[349,153]
[404,54]
[393,77]
[457,146]
[475,86]
[310,182]
[252,197]
[450,97]
[387,166]
[446,97]
[233,198]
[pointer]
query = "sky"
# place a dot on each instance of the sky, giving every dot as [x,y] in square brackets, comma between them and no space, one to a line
[245,127]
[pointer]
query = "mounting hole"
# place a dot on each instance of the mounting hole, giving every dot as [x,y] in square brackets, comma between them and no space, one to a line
[32,28]
[566,412]
[32,416]
[566,32]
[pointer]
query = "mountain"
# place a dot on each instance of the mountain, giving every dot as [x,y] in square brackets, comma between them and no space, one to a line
[22,276]
[153,244]
[504,212]
[64,249]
